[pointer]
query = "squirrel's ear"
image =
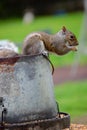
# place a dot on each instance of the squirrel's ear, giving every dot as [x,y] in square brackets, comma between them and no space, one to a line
[64,29]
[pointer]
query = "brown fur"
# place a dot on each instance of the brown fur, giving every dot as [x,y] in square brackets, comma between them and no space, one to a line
[40,42]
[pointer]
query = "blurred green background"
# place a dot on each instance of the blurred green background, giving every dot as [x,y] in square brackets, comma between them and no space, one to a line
[15,30]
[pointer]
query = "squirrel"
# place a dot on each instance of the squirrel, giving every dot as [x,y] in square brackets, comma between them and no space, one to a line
[60,43]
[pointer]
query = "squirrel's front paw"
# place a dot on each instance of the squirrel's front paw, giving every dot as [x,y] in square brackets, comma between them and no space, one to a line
[74,48]
[45,53]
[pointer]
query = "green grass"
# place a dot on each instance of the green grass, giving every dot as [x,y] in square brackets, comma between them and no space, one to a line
[72,98]
[15,30]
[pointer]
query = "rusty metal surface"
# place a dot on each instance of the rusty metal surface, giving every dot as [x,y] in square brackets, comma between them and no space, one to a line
[26,89]
[10,60]
[46,124]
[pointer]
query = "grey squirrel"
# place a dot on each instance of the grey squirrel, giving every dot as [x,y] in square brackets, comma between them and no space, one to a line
[60,43]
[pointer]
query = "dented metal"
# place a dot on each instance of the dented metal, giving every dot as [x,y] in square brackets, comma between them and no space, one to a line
[26,86]
[26,95]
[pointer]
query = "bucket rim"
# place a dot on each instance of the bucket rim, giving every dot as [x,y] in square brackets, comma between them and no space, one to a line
[64,122]
[10,60]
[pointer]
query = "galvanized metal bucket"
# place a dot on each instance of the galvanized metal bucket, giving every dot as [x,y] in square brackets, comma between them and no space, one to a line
[26,89]
[26,95]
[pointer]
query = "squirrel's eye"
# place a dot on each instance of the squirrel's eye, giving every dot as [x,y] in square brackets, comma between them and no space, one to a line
[71,36]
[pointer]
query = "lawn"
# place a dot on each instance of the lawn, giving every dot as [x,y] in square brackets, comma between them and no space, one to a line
[72,98]
[15,30]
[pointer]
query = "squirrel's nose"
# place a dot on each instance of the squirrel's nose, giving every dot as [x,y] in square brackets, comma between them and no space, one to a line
[76,43]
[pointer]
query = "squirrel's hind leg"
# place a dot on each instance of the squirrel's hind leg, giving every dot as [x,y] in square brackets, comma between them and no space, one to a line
[42,49]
